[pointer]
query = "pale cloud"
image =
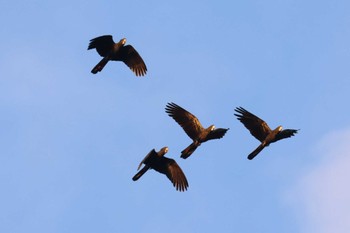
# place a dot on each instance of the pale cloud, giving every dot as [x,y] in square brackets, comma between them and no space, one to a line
[321,197]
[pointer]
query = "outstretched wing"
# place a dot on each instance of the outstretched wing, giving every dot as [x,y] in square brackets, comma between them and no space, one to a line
[216,134]
[257,127]
[176,175]
[132,59]
[185,119]
[102,44]
[287,133]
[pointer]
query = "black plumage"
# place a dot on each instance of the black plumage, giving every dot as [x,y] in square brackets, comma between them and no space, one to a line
[111,51]
[193,128]
[261,131]
[169,167]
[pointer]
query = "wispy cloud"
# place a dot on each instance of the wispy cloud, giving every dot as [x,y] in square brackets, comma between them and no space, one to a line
[321,197]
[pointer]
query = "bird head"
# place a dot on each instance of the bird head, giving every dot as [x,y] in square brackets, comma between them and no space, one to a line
[163,151]
[122,41]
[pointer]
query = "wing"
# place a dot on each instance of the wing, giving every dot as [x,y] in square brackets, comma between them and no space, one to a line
[176,175]
[145,160]
[102,44]
[217,133]
[185,119]
[257,127]
[287,133]
[132,59]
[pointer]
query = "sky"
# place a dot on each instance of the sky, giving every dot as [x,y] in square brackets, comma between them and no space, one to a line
[71,141]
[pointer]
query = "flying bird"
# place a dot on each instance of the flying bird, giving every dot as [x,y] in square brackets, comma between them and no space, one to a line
[261,131]
[111,51]
[193,128]
[157,161]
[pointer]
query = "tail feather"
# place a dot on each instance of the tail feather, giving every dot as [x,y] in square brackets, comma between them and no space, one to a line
[189,150]
[140,173]
[256,151]
[100,65]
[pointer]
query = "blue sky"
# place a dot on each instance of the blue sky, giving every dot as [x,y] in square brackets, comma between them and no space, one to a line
[71,141]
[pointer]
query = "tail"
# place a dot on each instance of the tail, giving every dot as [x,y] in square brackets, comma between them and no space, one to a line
[100,65]
[140,173]
[256,151]
[189,150]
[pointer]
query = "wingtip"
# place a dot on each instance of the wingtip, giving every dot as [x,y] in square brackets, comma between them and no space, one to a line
[181,187]
[240,110]
[171,104]
[170,107]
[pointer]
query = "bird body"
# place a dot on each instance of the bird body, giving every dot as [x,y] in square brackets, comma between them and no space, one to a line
[261,131]
[193,128]
[111,51]
[169,167]
[266,142]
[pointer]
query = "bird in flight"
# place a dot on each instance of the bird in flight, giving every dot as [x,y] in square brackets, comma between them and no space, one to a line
[111,51]
[169,167]
[193,128]
[261,131]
